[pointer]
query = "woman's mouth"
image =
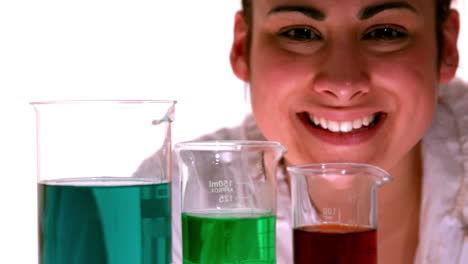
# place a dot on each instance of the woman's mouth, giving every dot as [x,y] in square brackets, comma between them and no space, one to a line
[343,132]
[353,126]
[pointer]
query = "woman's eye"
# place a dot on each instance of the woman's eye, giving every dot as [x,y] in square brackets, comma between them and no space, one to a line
[385,34]
[300,34]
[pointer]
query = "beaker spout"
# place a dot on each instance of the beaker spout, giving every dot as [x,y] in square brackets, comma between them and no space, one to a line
[168,117]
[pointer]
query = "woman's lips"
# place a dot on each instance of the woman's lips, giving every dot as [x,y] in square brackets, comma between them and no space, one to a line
[335,136]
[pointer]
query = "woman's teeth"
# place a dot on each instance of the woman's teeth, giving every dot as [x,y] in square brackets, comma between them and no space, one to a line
[342,126]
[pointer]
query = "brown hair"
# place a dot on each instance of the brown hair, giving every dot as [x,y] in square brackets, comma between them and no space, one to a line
[442,11]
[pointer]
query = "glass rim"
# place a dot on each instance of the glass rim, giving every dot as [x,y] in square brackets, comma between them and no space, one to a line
[99,101]
[227,145]
[338,166]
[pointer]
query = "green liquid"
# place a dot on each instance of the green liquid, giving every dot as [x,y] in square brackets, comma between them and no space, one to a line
[120,223]
[233,238]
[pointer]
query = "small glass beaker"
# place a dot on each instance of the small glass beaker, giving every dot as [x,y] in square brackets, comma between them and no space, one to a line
[104,181]
[335,212]
[228,201]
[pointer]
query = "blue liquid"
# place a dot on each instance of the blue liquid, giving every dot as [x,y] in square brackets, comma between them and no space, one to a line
[112,224]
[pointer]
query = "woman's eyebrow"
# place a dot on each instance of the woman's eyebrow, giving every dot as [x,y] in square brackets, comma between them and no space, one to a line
[373,10]
[365,13]
[311,12]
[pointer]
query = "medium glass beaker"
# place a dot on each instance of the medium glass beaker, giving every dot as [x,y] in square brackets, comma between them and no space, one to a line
[335,212]
[104,181]
[228,201]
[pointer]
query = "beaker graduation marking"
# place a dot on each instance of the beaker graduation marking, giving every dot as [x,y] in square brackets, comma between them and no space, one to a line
[223,188]
[330,214]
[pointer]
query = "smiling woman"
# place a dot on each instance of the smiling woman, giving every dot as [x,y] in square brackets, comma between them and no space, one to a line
[335,72]
[363,81]
[136,49]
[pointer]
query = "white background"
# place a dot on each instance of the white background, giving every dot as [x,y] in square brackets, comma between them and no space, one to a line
[103,49]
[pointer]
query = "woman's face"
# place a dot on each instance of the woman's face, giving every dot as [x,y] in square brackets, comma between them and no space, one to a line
[349,81]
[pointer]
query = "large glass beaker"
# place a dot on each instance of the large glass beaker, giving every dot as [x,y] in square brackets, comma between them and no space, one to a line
[98,200]
[335,212]
[228,201]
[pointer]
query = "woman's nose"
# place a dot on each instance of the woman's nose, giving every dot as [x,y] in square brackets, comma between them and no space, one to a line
[343,75]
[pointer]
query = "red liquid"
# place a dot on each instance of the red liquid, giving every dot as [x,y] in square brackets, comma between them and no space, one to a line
[335,244]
